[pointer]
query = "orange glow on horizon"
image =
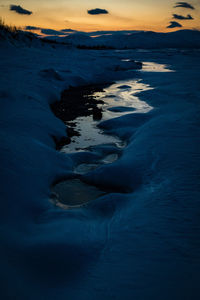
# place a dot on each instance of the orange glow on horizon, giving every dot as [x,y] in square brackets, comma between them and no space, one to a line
[129,16]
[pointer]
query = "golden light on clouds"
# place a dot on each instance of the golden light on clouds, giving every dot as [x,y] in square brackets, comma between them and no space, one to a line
[131,15]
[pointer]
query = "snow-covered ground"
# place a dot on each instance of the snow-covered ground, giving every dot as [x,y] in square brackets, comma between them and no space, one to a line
[139,243]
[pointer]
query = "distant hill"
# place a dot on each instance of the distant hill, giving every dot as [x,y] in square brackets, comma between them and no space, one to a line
[125,39]
[133,39]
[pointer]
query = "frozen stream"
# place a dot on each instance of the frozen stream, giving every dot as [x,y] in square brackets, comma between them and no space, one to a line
[119,99]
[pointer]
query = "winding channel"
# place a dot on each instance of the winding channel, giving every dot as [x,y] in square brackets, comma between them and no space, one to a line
[118,99]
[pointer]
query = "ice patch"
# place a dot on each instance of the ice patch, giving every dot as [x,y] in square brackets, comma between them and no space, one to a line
[74,193]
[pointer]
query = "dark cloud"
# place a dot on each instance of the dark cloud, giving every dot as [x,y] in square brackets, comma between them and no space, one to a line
[20,10]
[50,31]
[68,30]
[97,11]
[174,24]
[184,5]
[32,28]
[180,17]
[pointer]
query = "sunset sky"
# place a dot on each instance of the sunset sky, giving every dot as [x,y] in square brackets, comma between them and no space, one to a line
[127,14]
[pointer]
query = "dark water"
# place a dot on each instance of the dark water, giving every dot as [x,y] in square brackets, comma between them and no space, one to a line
[115,100]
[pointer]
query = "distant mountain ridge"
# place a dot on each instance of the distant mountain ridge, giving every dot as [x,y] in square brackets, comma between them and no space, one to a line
[125,39]
[132,39]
